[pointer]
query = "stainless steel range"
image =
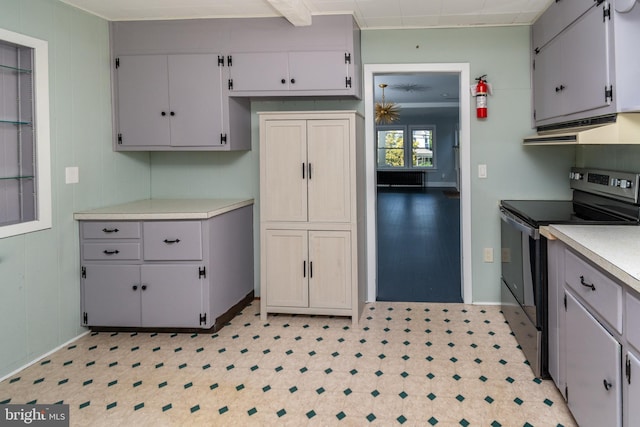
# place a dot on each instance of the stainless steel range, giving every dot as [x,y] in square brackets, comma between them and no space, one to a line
[599,197]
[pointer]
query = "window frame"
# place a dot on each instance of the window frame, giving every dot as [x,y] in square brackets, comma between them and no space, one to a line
[407,132]
[431,128]
[41,129]
[387,128]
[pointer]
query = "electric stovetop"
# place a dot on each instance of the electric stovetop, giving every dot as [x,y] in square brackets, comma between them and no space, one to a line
[544,212]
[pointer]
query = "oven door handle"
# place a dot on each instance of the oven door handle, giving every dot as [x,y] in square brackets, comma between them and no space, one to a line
[520,225]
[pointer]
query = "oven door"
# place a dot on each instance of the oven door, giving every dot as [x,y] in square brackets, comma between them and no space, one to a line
[522,288]
[520,258]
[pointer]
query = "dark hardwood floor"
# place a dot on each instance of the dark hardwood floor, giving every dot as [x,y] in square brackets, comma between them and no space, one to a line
[418,245]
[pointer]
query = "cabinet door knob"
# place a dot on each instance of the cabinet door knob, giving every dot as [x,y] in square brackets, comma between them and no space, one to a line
[172,113]
[135,287]
[293,81]
[163,114]
[283,81]
[144,287]
[607,385]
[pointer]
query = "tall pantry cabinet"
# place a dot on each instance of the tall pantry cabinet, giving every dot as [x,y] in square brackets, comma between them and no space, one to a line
[311,213]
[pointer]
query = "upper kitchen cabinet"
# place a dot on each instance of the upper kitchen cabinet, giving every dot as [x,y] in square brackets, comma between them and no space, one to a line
[171,102]
[291,73]
[556,18]
[270,57]
[583,62]
[187,84]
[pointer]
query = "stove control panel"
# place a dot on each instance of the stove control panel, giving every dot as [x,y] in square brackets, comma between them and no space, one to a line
[615,184]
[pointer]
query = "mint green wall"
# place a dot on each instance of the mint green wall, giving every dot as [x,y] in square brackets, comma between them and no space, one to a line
[39,272]
[514,171]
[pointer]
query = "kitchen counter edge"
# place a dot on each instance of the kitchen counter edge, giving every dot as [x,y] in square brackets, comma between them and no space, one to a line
[163,209]
[613,248]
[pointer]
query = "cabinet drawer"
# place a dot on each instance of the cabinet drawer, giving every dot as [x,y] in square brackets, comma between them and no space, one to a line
[111,251]
[633,320]
[172,240]
[110,230]
[599,291]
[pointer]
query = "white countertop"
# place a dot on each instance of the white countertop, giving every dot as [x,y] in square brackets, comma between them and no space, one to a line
[155,209]
[614,248]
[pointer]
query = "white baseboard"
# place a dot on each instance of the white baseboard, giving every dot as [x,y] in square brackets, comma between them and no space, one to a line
[44,355]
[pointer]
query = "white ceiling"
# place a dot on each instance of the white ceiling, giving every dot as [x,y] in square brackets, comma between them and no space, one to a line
[370,14]
[419,90]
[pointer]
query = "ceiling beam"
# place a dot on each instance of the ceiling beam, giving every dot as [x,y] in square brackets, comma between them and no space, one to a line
[295,11]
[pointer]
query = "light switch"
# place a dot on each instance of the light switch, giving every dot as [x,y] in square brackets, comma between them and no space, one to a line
[71,175]
[482,171]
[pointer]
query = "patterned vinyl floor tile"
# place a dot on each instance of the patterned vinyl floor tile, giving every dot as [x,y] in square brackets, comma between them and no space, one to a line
[409,364]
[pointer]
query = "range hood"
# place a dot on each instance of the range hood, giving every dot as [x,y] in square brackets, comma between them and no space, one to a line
[621,128]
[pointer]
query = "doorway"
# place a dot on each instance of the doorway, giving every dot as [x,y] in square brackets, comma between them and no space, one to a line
[421,194]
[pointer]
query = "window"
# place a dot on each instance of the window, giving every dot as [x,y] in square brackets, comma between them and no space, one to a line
[393,153]
[25,188]
[391,147]
[422,148]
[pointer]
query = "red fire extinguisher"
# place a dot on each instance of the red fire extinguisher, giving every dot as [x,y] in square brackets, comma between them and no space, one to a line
[481,97]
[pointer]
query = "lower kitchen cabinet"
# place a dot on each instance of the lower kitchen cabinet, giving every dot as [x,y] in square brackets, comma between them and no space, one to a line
[320,279]
[593,354]
[594,391]
[632,404]
[145,296]
[182,273]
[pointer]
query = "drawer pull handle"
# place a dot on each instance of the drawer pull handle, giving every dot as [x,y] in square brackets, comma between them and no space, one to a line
[607,385]
[588,285]
[106,252]
[170,242]
[110,230]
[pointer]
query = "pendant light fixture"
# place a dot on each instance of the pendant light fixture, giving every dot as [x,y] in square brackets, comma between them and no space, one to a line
[386,112]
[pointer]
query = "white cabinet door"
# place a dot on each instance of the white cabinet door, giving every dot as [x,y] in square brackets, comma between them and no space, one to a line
[284,171]
[593,369]
[169,100]
[287,268]
[572,71]
[258,72]
[329,171]
[143,95]
[284,72]
[632,410]
[111,295]
[196,100]
[171,296]
[318,71]
[330,269]
[555,268]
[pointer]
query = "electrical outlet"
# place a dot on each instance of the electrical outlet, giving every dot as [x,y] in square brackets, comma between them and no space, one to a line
[487,254]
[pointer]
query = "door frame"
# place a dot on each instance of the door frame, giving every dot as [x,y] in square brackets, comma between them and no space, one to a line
[370,70]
